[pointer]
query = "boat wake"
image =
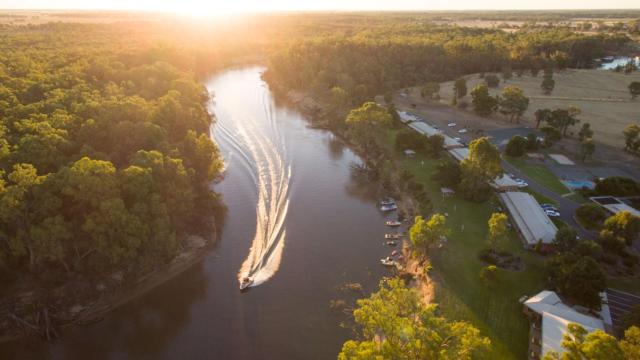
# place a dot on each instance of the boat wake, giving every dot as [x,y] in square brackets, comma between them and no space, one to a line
[260,147]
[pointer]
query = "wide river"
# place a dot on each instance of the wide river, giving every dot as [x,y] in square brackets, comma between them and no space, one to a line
[297,223]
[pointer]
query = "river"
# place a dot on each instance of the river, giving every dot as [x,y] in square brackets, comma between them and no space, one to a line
[297,223]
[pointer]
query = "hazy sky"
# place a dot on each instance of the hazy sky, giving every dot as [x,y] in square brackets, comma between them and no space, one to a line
[202,7]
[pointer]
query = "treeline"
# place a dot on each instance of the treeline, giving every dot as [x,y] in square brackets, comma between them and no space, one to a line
[373,61]
[105,155]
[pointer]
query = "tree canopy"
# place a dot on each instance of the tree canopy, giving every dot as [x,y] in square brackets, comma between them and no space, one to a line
[394,324]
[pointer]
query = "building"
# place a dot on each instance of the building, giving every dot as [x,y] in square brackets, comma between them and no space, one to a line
[550,318]
[614,205]
[504,183]
[459,153]
[532,222]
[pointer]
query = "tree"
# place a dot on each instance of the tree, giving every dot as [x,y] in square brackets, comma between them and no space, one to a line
[448,174]
[561,119]
[551,135]
[623,225]
[634,89]
[632,137]
[424,233]
[483,103]
[617,186]
[340,98]
[566,239]
[365,124]
[410,139]
[434,145]
[547,85]
[498,226]
[542,115]
[430,90]
[481,166]
[579,344]
[460,88]
[579,278]
[394,324]
[585,132]
[513,103]
[587,148]
[517,146]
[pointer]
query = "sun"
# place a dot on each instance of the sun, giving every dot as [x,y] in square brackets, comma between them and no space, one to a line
[203,8]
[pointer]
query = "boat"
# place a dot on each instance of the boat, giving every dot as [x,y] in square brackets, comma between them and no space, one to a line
[393,223]
[390,207]
[391,243]
[392,236]
[388,261]
[245,283]
[387,201]
[394,253]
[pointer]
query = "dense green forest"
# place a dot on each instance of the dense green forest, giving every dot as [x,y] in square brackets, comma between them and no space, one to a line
[373,60]
[105,155]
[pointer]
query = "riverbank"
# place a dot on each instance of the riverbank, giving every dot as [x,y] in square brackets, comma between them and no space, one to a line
[410,267]
[84,302]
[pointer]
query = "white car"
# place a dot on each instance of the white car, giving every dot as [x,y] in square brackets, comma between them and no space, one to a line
[462,131]
[521,183]
[457,139]
[551,213]
[451,124]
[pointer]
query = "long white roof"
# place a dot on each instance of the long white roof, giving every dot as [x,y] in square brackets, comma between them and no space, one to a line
[556,316]
[530,218]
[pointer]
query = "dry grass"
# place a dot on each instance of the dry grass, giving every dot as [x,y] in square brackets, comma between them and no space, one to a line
[602,96]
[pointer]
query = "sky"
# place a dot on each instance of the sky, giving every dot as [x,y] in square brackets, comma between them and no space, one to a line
[212,7]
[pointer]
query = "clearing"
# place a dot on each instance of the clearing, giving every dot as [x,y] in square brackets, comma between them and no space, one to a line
[602,95]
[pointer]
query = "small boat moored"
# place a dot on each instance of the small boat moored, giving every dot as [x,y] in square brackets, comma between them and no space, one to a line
[387,201]
[388,261]
[245,283]
[393,223]
[390,207]
[392,236]
[391,243]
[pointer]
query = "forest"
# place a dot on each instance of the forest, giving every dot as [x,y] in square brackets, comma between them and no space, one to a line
[105,155]
[369,61]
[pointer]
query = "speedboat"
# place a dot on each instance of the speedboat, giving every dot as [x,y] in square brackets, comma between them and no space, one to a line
[393,223]
[388,207]
[392,236]
[388,261]
[245,283]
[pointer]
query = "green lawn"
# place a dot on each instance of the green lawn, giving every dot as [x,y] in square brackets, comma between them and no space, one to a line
[540,174]
[494,309]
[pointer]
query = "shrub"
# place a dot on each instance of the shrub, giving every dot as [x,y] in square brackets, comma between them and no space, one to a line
[591,215]
[617,186]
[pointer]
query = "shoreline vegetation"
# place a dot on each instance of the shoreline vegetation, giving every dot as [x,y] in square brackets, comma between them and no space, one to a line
[106,167]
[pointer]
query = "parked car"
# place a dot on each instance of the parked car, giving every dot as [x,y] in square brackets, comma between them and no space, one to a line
[521,183]
[457,139]
[548,207]
[552,213]
[462,131]
[451,124]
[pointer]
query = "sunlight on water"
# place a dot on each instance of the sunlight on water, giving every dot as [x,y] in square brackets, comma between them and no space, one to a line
[259,145]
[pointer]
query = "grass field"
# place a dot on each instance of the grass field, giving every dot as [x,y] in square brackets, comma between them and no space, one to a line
[540,174]
[602,96]
[493,308]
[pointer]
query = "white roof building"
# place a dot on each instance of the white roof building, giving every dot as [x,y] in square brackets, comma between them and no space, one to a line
[504,183]
[555,317]
[532,222]
[459,153]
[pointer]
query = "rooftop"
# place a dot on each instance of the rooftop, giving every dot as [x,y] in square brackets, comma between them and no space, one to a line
[531,220]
